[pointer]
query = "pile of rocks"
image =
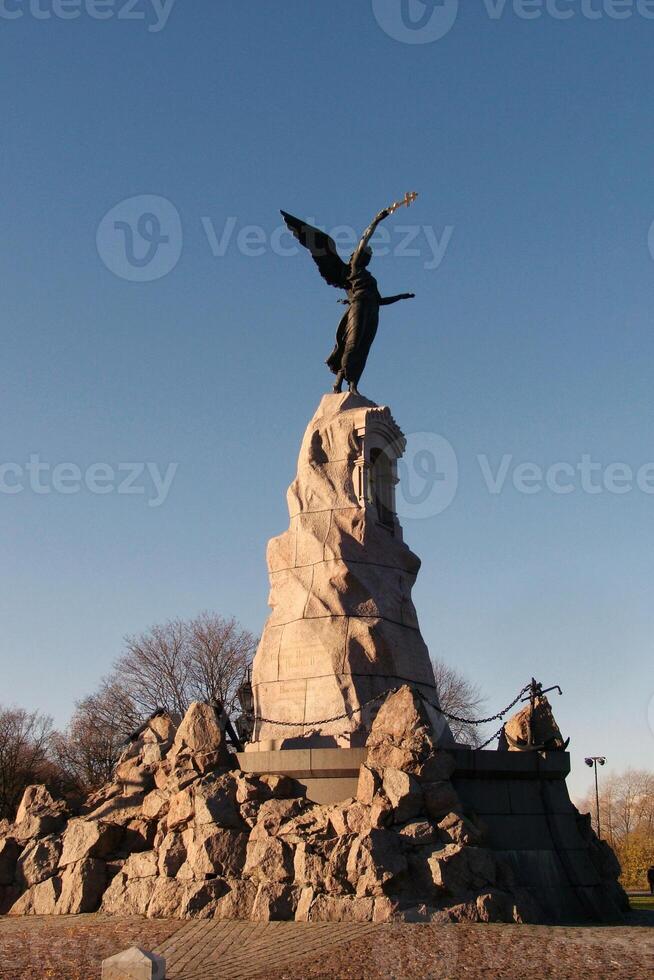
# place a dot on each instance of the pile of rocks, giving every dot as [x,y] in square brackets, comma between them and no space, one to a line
[182,832]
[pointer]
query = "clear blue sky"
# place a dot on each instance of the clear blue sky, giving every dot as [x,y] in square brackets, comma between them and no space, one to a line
[531,139]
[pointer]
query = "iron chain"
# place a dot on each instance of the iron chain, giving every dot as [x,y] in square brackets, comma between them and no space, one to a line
[394,690]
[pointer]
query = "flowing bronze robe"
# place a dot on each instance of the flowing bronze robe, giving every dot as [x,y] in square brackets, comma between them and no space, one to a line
[358,327]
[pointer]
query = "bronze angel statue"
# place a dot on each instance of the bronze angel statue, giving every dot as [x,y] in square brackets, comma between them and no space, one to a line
[358,327]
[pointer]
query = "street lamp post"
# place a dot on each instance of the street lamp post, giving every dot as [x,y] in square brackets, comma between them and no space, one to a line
[592,761]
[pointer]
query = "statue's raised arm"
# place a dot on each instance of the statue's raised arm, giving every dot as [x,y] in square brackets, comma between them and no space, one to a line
[358,326]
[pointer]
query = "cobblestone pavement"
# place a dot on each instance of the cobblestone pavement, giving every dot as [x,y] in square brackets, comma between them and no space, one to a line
[241,950]
[484,952]
[72,948]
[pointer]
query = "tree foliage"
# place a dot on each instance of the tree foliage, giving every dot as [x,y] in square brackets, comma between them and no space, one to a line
[627,821]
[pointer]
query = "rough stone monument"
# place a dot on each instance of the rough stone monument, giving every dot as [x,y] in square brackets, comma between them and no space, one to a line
[343,627]
[352,802]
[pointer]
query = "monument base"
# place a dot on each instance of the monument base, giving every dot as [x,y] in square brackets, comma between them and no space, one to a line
[521,800]
[328,775]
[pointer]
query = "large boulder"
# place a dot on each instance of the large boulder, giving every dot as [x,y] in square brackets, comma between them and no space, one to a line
[269,859]
[137,765]
[215,801]
[88,839]
[310,866]
[374,861]
[457,829]
[214,850]
[418,833]
[238,900]
[125,897]
[403,735]
[404,794]
[172,853]
[201,740]
[369,784]
[457,870]
[202,899]
[312,823]
[538,728]
[273,814]
[142,865]
[403,718]
[34,798]
[181,809]
[440,799]
[82,885]
[155,805]
[275,901]
[40,899]
[38,861]
[349,817]
[167,898]
[39,814]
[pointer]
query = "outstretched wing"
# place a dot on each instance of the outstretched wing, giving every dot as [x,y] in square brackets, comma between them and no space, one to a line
[323,250]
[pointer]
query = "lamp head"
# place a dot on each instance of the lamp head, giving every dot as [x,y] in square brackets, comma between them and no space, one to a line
[588,762]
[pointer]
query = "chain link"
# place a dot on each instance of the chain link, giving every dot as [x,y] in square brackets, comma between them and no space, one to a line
[394,690]
[492,738]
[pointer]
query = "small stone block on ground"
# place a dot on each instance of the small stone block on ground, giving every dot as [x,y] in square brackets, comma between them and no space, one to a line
[134,964]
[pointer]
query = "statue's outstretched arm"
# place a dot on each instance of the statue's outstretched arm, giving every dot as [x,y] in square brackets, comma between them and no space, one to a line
[367,235]
[389,300]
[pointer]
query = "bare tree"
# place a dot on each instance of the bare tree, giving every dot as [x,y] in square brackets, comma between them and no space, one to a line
[202,659]
[220,652]
[627,821]
[155,668]
[24,743]
[626,804]
[87,751]
[461,697]
[168,666]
